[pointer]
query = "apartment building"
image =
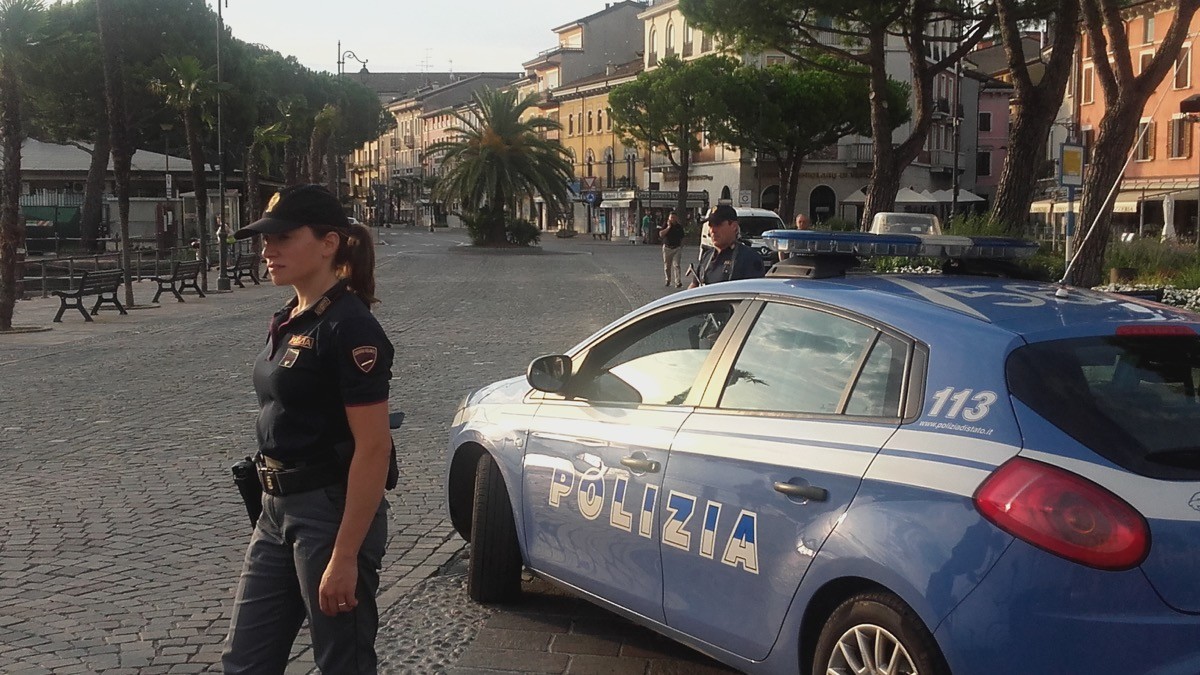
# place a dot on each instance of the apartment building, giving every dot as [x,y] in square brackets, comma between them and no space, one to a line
[1159,193]
[831,181]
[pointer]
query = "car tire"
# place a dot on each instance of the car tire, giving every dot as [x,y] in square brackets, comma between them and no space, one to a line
[494,570]
[861,623]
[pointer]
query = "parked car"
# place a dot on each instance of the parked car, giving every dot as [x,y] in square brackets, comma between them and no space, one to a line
[905,223]
[752,223]
[873,474]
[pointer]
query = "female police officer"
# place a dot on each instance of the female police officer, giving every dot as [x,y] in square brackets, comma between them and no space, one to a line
[324,444]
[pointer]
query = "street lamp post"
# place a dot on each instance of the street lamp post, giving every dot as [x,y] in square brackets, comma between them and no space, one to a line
[223,282]
[341,70]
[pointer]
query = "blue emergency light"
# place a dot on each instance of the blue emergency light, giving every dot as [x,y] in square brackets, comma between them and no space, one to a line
[812,253]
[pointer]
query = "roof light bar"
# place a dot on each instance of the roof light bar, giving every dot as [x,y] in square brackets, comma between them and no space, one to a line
[814,242]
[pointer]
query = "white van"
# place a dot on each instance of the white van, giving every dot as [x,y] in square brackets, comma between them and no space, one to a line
[751,225]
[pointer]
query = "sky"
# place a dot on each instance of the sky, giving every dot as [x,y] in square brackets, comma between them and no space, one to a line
[406,35]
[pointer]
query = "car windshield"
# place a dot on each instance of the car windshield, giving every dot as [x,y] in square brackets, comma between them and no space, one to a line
[907,224]
[754,226]
[1132,399]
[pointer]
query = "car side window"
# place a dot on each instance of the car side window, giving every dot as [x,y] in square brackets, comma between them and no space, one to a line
[654,362]
[796,359]
[877,391]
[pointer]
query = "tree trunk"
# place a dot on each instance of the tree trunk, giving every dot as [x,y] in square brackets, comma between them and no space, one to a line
[789,183]
[191,127]
[254,209]
[93,192]
[291,164]
[12,227]
[1035,108]
[685,168]
[1116,136]
[316,155]
[1026,148]
[885,178]
[333,174]
[118,124]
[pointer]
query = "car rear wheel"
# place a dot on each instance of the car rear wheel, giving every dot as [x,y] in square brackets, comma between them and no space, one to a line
[494,571]
[877,634]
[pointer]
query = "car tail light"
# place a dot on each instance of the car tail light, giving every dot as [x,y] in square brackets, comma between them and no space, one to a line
[1138,330]
[1064,514]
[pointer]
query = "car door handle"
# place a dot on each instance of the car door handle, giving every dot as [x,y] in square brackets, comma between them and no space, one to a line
[809,492]
[640,465]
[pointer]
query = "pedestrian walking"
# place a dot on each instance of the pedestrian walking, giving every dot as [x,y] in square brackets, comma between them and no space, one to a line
[324,446]
[672,239]
[647,221]
[728,259]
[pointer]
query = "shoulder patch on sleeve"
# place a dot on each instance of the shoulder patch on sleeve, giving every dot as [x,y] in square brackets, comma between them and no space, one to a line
[365,358]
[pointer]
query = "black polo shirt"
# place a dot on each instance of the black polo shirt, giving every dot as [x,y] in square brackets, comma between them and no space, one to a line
[333,355]
[736,262]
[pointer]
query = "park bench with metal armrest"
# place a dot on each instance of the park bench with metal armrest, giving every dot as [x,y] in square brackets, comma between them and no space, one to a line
[101,283]
[184,276]
[244,265]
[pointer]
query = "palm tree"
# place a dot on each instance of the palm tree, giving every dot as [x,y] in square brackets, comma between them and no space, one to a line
[258,159]
[188,93]
[495,159]
[21,25]
[319,145]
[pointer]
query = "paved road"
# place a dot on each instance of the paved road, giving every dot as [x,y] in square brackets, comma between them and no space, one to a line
[122,535]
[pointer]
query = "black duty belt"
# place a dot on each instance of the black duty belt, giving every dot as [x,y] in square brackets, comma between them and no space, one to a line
[279,479]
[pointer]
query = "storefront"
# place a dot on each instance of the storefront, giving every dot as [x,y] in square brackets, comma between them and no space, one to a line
[618,213]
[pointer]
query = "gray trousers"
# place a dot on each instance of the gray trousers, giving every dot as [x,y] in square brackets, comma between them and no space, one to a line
[281,577]
[671,269]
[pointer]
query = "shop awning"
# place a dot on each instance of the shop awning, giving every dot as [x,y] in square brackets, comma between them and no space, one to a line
[1126,202]
[617,204]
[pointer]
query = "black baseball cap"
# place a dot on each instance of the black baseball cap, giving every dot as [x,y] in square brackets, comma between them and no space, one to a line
[720,214]
[297,206]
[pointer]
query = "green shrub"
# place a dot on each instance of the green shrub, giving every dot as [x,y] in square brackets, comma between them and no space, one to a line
[837,225]
[974,225]
[523,233]
[1152,259]
[477,227]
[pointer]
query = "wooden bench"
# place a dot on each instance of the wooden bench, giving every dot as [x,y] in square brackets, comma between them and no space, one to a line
[101,283]
[184,276]
[244,265]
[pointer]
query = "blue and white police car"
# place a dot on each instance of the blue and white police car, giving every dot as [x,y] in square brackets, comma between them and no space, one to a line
[824,472]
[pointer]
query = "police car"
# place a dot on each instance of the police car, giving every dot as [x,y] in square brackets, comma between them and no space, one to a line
[826,472]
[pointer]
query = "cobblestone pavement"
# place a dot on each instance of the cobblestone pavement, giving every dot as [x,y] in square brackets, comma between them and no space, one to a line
[122,534]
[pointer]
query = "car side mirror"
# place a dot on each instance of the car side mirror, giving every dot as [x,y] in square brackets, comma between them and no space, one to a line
[549,373]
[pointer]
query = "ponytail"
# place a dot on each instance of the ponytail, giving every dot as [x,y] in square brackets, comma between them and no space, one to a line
[355,262]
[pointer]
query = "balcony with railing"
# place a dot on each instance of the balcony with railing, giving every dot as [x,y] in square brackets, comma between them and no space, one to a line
[942,161]
[856,153]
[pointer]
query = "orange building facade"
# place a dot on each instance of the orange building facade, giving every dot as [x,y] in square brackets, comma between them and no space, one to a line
[1160,186]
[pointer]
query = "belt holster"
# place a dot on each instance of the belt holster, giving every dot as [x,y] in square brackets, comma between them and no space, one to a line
[280,479]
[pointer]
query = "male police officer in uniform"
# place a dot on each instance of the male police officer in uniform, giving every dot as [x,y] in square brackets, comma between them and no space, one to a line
[728,259]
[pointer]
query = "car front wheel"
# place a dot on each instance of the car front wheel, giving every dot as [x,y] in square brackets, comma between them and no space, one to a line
[877,634]
[494,570]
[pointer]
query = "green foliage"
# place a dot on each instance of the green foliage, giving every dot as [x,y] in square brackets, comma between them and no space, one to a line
[495,158]
[795,109]
[667,108]
[838,225]
[1157,262]
[974,224]
[523,233]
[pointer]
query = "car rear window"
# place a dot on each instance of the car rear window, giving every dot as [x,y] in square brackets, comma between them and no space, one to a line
[1132,399]
[754,226]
